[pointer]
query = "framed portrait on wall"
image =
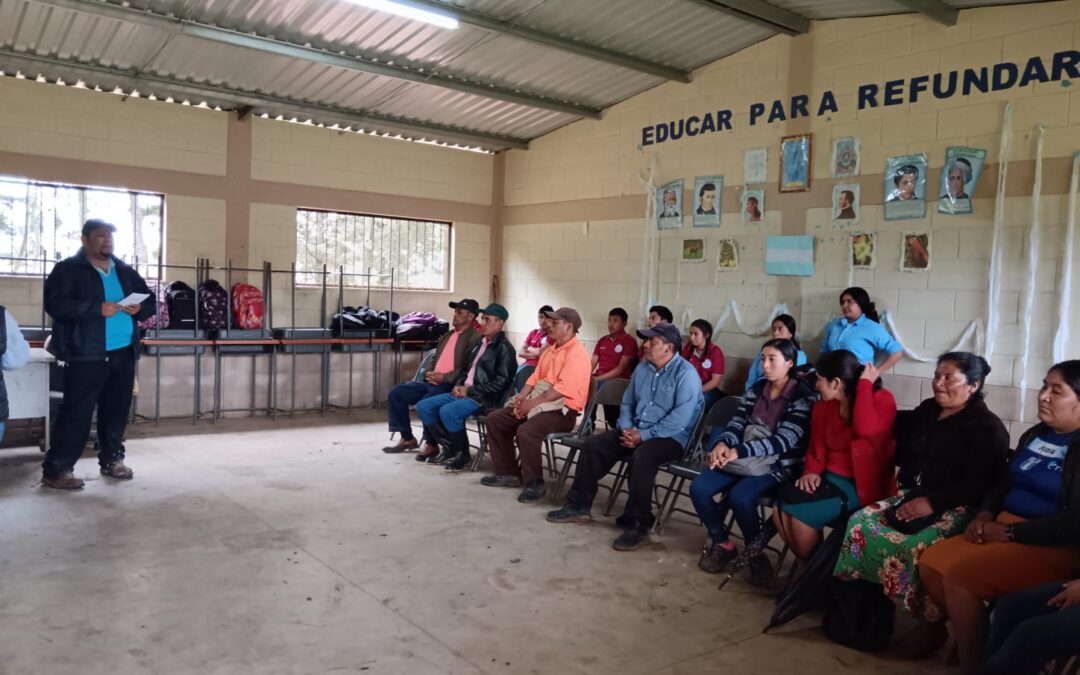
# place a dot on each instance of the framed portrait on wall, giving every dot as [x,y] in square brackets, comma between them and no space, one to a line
[795,155]
[845,200]
[707,200]
[845,157]
[753,206]
[669,205]
[905,187]
[915,252]
[959,175]
[863,250]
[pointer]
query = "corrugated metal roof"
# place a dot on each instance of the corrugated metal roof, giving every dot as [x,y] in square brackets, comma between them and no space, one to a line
[675,33]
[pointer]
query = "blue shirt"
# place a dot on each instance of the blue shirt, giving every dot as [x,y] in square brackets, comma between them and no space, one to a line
[663,403]
[1036,476]
[18,349]
[119,326]
[756,373]
[863,338]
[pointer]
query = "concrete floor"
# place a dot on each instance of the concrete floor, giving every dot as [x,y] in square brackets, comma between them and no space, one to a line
[297,547]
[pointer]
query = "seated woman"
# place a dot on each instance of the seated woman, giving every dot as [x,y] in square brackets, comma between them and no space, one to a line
[1032,628]
[851,452]
[536,341]
[859,332]
[1028,530]
[949,451]
[707,359]
[783,328]
[761,446]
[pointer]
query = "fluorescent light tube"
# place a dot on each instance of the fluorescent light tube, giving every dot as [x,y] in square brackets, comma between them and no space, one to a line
[409,12]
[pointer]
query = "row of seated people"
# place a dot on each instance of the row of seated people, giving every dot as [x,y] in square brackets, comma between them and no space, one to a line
[935,510]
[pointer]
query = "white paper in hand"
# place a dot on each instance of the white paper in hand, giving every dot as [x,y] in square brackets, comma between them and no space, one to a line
[134,299]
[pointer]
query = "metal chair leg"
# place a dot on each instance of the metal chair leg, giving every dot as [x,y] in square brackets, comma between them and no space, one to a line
[620,478]
[564,474]
[667,507]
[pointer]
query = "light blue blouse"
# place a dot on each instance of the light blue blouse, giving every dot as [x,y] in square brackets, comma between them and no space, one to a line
[863,338]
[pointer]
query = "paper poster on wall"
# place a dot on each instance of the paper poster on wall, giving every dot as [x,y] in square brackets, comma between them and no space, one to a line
[915,252]
[693,250]
[961,172]
[905,187]
[753,206]
[728,257]
[863,250]
[795,169]
[755,166]
[845,157]
[846,204]
[790,256]
[707,191]
[669,205]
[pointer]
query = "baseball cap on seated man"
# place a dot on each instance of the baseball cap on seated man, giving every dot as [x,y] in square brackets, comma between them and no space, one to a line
[496,310]
[567,314]
[468,304]
[95,223]
[664,331]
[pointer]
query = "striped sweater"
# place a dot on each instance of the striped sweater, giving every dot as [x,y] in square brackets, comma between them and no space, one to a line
[788,442]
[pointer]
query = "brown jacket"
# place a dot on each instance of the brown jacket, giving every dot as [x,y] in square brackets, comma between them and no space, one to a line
[466,340]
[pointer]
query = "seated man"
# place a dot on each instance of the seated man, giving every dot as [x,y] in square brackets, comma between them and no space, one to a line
[449,364]
[657,314]
[550,402]
[614,356]
[492,365]
[658,414]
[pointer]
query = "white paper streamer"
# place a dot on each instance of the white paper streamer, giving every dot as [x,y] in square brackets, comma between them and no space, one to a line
[732,310]
[651,242]
[993,295]
[1061,337]
[970,334]
[1033,264]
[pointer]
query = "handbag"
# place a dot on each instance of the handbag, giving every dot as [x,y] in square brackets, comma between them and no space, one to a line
[753,466]
[859,616]
[789,493]
[910,526]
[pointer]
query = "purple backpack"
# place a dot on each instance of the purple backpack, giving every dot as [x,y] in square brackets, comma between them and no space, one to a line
[158,289]
[213,305]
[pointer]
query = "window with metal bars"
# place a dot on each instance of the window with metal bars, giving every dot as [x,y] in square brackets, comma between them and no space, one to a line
[41,223]
[370,249]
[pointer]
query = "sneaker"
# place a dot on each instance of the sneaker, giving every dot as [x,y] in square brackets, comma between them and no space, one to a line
[64,481]
[570,514]
[403,445]
[533,492]
[715,557]
[118,470]
[459,463]
[761,571]
[501,481]
[630,540]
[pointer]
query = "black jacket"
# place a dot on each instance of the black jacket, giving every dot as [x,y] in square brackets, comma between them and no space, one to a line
[494,374]
[954,461]
[73,298]
[1058,529]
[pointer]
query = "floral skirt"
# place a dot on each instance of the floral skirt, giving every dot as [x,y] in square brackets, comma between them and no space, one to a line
[875,552]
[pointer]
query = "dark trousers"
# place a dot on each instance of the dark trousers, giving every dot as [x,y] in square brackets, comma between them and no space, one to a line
[602,451]
[404,395]
[740,493]
[503,429]
[1026,633]
[106,385]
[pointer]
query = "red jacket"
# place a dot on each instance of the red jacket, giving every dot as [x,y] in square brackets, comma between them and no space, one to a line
[872,447]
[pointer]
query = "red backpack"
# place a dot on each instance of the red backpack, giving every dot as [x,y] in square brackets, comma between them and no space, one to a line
[247,306]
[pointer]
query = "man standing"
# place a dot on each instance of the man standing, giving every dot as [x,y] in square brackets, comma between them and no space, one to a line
[449,364]
[614,356]
[14,353]
[658,414]
[96,338]
[492,366]
[550,402]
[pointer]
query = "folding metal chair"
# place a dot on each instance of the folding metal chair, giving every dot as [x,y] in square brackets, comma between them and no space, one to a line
[692,464]
[608,394]
[481,419]
[426,364]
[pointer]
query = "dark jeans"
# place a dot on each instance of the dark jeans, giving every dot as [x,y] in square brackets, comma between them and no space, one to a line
[105,384]
[740,493]
[503,430]
[602,451]
[404,395]
[1026,633]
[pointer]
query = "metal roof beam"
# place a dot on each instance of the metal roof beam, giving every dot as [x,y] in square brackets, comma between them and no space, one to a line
[254,101]
[762,13]
[324,56]
[565,44]
[934,9]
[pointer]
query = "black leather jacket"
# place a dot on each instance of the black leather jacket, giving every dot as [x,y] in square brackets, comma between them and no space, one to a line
[494,374]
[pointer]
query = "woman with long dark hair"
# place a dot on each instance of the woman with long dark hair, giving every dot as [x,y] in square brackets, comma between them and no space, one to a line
[859,332]
[783,328]
[707,359]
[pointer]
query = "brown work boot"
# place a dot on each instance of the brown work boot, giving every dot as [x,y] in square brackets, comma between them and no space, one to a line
[403,445]
[118,470]
[64,481]
[429,451]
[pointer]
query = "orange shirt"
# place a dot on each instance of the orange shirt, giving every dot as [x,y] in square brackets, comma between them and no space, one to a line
[568,368]
[446,357]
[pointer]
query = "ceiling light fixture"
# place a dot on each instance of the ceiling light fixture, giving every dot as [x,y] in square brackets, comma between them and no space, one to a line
[409,11]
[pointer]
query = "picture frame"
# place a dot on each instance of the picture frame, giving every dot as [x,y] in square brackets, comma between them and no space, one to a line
[693,250]
[796,153]
[846,157]
[707,191]
[727,256]
[915,251]
[862,250]
[905,187]
[669,205]
[753,206]
[755,166]
[846,204]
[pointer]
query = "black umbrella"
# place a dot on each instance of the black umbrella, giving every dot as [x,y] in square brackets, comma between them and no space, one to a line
[808,587]
[753,548]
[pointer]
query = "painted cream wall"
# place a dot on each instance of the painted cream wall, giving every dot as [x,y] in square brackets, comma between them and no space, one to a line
[574,230]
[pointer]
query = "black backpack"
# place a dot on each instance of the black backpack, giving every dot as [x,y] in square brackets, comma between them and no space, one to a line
[213,305]
[181,302]
[859,616]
